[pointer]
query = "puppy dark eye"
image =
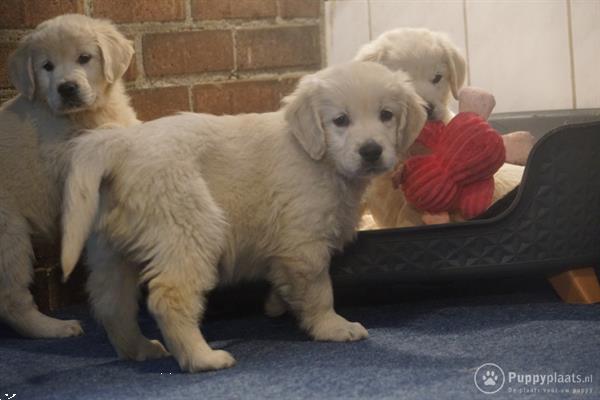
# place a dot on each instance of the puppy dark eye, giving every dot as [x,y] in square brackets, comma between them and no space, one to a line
[436,79]
[385,115]
[84,59]
[341,121]
[48,66]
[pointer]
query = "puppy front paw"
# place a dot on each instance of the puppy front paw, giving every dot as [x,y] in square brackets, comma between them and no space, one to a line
[335,328]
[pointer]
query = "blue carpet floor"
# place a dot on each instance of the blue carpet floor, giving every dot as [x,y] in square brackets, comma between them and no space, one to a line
[425,346]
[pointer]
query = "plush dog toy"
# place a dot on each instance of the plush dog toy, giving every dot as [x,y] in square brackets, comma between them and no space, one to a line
[456,172]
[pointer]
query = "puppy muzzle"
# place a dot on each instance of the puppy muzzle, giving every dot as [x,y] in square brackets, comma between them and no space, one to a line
[371,158]
[70,95]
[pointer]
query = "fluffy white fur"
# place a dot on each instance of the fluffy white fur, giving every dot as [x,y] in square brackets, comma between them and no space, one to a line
[185,202]
[34,129]
[437,70]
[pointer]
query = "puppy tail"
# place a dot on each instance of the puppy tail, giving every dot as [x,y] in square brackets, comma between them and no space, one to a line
[90,163]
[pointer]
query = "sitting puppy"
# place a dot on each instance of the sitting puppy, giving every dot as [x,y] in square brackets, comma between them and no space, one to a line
[185,202]
[68,74]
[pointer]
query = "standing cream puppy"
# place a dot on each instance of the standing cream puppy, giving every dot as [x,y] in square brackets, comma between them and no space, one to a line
[68,72]
[185,202]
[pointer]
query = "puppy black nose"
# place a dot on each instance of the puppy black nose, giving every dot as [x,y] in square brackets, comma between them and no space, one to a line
[430,108]
[68,89]
[370,151]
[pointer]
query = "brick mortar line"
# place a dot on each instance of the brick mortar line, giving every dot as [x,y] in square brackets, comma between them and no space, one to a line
[205,78]
[167,27]
[88,7]
[216,78]
[139,58]
[234,48]
[143,82]
[14,35]
[189,20]
[188,11]
[190,98]
[273,75]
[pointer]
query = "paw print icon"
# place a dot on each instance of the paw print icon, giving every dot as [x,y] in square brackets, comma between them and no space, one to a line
[489,378]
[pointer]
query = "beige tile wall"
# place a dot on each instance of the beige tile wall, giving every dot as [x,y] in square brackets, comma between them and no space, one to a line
[347,28]
[532,54]
[585,22]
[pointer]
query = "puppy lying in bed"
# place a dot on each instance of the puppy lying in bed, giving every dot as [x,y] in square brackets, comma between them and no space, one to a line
[437,70]
[68,72]
[434,64]
[185,202]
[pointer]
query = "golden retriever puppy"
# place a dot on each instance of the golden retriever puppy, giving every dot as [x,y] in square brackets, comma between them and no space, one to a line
[435,65]
[68,74]
[437,70]
[185,202]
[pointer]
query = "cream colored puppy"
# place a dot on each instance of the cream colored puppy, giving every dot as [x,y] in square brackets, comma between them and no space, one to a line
[437,70]
[185,202]
[434,63]
[68,74]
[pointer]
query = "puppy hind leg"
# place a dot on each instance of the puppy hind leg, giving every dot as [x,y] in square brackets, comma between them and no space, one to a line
[17,307]
[113,286]
[176,299]
[183,270]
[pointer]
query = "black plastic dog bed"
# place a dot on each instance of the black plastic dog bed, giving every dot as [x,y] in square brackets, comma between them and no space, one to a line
[552,224]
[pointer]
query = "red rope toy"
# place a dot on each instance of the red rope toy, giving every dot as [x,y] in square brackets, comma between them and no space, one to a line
[458,174]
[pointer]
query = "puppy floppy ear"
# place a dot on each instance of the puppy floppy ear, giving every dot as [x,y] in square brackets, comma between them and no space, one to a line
[303,118]
[20,70]
[116,50]
[456,68]
[412,116]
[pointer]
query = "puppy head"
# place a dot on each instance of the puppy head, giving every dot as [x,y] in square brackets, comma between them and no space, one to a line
[435,65]
[69,62]
[360,116]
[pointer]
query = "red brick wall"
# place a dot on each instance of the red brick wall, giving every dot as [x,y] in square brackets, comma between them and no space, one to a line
[218,56]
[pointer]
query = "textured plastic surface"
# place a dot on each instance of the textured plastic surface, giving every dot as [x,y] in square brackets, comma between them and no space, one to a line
[553,224]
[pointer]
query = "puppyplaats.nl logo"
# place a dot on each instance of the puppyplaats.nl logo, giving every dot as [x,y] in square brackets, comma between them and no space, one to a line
[489,378]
